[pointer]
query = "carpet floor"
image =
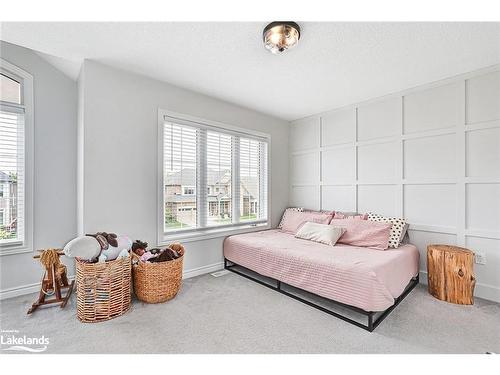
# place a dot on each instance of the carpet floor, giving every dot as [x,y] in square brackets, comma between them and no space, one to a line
[230,314]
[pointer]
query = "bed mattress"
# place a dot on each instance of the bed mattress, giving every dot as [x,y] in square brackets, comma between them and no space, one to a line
[357,276]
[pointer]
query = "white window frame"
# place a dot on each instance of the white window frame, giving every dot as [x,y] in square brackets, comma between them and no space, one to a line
[212,232]
[188,187]
[25,245]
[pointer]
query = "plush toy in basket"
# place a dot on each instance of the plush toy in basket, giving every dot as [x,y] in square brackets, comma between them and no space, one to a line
[157,273]
[98,247]
[103,275]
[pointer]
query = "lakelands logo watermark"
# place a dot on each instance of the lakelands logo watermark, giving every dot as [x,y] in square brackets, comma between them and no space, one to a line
[12,340]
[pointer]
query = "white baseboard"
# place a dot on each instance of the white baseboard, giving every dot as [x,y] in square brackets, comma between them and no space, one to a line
[19,291]
[202,270]
[486,291]
[34,288]
[23,290]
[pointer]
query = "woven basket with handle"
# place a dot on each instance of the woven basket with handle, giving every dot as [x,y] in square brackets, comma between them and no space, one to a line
[157,282]
[103,289]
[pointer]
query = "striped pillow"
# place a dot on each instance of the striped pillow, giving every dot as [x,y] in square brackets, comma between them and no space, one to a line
[294,220]
[364,233]
[350,215]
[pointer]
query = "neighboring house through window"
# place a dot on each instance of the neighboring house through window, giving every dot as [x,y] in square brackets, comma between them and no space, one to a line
[228,166]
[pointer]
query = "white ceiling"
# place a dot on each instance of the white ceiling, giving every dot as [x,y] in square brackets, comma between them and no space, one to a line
[335,64]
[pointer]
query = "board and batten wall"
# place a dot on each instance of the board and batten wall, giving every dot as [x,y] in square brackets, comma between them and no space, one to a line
[430,154]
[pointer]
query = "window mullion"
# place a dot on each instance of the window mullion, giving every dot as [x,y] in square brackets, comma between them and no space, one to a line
[201,178]
[235,179]
[263,181]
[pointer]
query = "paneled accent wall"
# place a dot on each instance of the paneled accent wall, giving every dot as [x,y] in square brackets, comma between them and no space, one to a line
[430,154]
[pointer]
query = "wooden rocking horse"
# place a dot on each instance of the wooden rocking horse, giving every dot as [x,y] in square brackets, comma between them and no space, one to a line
[54,280]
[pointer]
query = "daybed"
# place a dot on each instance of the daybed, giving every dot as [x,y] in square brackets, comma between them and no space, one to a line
[366,280]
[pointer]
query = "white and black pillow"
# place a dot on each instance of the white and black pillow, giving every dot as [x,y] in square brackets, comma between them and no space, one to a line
[405,237]
[298,209]
[397,231]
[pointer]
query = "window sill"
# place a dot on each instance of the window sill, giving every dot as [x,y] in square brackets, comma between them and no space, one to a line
[207,234]
[14,247]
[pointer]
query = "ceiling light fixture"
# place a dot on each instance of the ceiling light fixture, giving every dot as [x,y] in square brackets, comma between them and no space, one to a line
[280,36]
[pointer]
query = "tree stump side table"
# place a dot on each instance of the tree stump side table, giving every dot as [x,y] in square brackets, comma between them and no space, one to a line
[450,274]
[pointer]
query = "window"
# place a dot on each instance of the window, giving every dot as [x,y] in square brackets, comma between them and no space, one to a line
[214,177]
[179,163]
[11,88]
[188,190]
[15,162]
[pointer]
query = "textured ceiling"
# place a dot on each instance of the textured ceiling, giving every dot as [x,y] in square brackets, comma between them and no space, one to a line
[335,64]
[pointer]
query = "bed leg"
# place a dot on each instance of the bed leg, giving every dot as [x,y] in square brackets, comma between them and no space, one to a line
[225,263]
[370,322]
[278,284]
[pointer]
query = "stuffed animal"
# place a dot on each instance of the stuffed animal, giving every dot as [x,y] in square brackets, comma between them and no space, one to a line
[176,246]
[102,246]
[123,254]
[146,256]
[105,239]
[139,247]
[173,251]
[167,254]
[85,248]
[112,252]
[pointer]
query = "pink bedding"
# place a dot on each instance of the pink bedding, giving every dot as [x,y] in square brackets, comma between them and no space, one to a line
[366,278]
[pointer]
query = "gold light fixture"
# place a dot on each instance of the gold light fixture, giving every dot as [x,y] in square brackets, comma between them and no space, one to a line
[280,36]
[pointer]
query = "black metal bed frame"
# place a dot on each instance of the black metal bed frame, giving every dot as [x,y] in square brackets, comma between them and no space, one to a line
[372,323]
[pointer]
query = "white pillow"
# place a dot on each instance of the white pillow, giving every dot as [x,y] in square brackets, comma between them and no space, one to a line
[322,233]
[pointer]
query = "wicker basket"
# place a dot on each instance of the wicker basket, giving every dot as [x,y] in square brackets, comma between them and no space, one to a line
[157,282]
[103,289]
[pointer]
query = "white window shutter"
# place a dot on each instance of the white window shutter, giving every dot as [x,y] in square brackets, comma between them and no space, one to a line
[219,180]
[179,170]
[12,173]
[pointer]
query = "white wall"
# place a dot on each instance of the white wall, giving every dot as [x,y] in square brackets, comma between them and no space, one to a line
[430,154]
[119,163]
[55,98]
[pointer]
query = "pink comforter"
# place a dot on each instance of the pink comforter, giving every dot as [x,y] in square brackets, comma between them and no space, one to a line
[365,278]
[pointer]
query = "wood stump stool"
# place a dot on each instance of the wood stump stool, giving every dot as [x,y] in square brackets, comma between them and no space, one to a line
[450,274]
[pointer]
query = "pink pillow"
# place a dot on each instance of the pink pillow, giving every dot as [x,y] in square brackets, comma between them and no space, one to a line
[295,219]
[322,211]
[340,215]
[363,233]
